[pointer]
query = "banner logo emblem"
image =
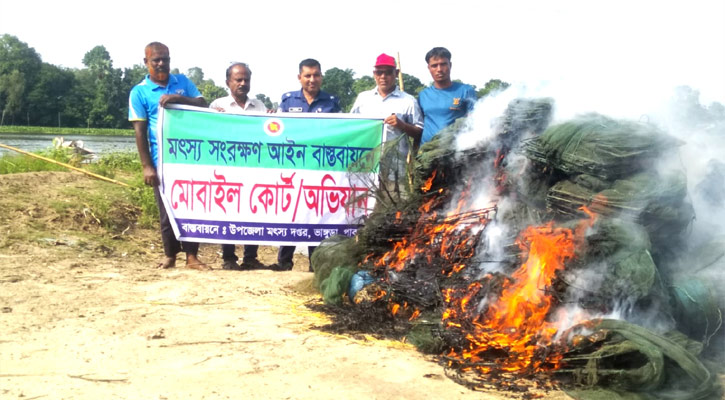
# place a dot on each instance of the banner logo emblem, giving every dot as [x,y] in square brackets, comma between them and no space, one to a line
[273,127]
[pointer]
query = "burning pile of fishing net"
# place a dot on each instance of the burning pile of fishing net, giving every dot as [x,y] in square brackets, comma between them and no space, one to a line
[510,259]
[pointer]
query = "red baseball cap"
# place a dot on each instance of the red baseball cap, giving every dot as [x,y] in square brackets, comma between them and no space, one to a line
[385,60]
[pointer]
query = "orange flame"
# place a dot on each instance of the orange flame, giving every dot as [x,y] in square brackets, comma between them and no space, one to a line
[428,183]
[507,332]
[514,328]
[450,238]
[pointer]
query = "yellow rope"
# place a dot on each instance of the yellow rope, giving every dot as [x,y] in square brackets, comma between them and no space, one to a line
[103,178]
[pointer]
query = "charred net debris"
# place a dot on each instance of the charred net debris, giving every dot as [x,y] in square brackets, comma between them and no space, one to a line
[427,267]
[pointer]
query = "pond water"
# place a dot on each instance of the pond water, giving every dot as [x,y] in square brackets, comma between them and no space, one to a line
[98,144]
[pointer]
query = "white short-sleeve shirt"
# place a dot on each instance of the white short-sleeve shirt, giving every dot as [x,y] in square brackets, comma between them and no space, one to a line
[231,106]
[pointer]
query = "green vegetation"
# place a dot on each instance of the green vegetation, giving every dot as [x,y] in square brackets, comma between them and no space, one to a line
[71,210]
[124,166]
[108,165]
[128,165]
[492,86]
[112,207]
[35,93]
[142,196]
[125,163]
[51,130]
[17,163]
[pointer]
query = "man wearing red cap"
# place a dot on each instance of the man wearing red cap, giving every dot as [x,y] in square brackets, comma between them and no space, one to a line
[400,110]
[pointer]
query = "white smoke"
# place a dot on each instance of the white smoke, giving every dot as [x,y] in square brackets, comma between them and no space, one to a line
[677,111]
[701,128]
[481,123]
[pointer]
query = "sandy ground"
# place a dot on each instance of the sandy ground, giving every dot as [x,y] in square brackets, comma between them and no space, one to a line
[83,320]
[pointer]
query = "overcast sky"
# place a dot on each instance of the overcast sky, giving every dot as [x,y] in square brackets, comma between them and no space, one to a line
[628,47]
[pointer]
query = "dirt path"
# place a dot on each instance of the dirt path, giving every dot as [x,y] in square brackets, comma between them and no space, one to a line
[83,320]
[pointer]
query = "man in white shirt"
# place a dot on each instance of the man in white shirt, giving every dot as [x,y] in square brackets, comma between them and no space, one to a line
[401,112]
[239,78]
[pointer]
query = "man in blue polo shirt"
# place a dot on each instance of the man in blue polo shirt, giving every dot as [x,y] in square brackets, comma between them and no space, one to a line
[310,98]
[445,101]
[156,90]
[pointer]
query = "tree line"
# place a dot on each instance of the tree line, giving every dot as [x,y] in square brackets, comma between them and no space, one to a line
[34,92]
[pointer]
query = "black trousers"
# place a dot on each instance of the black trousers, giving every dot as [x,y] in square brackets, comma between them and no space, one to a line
[250,252]
[171,245]
[285,253]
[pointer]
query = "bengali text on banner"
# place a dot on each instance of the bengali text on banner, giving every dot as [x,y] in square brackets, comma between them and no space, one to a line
[266,178]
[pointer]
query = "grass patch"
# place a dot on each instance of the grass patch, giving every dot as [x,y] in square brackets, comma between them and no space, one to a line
[49,130]
[111,164]
[60,207]
[128,165]
[73,213]
[108,165]
[24,236]
[125,164]
[114,208]
[142,196]
[18,163]
[111,208]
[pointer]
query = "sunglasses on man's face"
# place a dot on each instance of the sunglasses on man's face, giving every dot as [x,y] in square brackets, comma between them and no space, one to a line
[382,72]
